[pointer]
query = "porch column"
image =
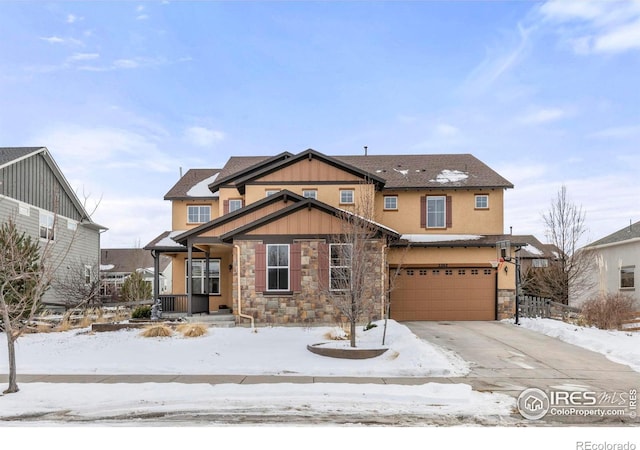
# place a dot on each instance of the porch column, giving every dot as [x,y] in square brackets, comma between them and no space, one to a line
[156,274]
[189,277]
[206,272]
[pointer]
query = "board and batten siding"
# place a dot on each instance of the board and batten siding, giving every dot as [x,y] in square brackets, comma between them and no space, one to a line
[32,181]
[71,248]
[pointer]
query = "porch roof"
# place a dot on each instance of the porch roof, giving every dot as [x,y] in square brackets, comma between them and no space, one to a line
[456,240]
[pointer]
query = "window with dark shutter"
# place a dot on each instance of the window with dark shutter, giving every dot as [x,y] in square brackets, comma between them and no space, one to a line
[261,268]
[296,269]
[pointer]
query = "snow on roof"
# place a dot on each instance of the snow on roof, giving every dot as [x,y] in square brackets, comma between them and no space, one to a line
[168,240]
[201,189]
[404,172]
[106,267]
[534,250]
[450,176]
[421,238]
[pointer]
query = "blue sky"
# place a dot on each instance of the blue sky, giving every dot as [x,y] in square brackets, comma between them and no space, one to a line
[124,94]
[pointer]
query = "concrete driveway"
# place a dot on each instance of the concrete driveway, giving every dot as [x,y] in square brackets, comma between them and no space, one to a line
[509,359]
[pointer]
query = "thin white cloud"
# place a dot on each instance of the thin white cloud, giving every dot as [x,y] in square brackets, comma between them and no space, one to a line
[142,17]
[72,18]
[203,137]
[621,132]
[83,56]
[543,115]
[126,64]
[445,129]
[498,62]
[53,39]
[595,26]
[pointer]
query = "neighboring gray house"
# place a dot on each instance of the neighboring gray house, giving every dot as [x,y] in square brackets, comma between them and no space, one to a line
[37,196]
[617,257]
[116,264]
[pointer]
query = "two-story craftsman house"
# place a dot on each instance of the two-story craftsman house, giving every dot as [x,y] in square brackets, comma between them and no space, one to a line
[259,236]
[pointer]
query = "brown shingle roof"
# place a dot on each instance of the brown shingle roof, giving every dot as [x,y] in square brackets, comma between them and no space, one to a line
[127,260]
[429,171]
[189,180]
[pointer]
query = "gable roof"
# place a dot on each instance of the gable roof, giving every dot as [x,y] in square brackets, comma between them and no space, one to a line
[625,234]
[429,171]
[240,166]
[128,260]
[13,155]
[191,185]
[307,154]
[298,203]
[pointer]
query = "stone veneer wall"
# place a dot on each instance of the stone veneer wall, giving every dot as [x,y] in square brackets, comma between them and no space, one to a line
[506,304]
[310,305]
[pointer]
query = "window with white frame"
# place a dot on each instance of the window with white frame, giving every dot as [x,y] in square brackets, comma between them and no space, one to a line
[235,204]
[540,262]
[198,213]
[24,210]
[278,267]
[72,225]
[87,274]
[340,266]
[347,196]
[391,202]
[627,277]
[436,211]
[46,225]
[269,192]
[199,276]
[482,201]
[310,193]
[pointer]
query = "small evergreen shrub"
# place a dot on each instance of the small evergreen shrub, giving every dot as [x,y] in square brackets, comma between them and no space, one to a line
[607,311]
[157,331]
[141,312]
[369,326]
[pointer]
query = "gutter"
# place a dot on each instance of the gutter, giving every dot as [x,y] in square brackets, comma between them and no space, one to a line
[238,288]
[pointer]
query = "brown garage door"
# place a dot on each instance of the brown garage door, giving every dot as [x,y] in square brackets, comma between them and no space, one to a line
[444,294]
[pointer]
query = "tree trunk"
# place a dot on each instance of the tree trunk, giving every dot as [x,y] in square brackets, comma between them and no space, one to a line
[13,385]
[352,333]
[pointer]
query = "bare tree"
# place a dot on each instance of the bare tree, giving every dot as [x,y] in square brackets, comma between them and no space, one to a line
[24,278]
[356,272]
[80,285]
[566,227]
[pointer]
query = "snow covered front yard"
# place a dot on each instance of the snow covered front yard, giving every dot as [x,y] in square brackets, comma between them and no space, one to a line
[269,351]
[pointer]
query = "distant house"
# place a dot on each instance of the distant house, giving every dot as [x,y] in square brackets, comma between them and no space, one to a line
[535,254]
[616,259]
[259,236]
[36,195]
[116,264]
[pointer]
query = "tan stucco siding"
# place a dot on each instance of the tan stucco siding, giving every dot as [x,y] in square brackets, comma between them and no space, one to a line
[466,219]
[179,219]
[304,222]
[245,219]
[227,193]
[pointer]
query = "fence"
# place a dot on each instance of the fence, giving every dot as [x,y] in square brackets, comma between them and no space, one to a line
[543,307]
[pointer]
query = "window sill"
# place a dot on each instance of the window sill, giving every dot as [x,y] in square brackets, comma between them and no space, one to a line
[277,293]
[627,289]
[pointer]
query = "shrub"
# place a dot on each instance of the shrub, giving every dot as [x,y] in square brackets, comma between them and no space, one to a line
[336,334]
[156,331]
[192,329]
[141,312]
[369,326]
[607,311]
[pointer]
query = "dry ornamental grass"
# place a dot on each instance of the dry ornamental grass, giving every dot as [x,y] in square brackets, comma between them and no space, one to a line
[192,329]
[157,331]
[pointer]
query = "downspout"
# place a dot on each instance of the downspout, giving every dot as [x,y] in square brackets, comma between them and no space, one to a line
[238,290]
[383,276]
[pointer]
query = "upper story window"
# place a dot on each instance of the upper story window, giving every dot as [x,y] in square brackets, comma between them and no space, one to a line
[627,277]
[46,225]
[72,225]
[24,209]
[269,192]
[235,204]
[198,213]
[539,263]
[87,274]
[391,202]
[278,267]
[436,212]
[347,196]
[310,193]
[482,201]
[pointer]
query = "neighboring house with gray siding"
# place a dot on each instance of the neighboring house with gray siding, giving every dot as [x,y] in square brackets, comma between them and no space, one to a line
[37,196]
[617,259]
